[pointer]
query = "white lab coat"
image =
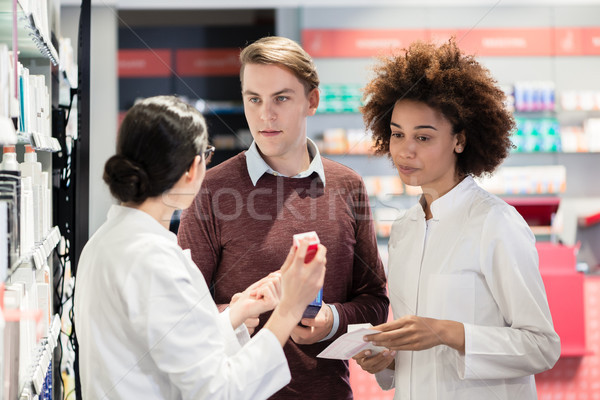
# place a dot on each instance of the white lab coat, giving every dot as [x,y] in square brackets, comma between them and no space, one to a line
[475,263]
[148,328]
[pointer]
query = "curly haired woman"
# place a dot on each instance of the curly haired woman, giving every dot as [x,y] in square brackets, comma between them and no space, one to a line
[470,308]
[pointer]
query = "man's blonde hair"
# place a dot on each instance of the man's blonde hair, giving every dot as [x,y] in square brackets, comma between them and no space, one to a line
[285,52]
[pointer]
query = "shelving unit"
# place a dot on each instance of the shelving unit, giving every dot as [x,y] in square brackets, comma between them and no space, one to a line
[28,28]
[32,42]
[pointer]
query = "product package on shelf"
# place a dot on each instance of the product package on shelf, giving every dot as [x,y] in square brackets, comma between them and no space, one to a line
[384,219]
[11,346]
[345,141]
[32,169]
[34,100]
[591,127]
[547,179]
[9,106]
[573,139]
[585,100]
[537,135]
[4,241]
[383,186]
[10,193]
[5,90]
[340,98]
[534,96]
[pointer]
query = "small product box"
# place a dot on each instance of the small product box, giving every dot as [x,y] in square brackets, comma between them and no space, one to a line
[313,308]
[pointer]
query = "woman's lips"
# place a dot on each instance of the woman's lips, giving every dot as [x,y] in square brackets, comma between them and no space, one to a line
[406,170]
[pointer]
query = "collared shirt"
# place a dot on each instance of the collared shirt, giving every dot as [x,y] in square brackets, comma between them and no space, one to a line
[148,328]
[474,262]
[257,166]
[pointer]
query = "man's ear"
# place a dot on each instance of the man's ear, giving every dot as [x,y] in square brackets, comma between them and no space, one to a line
[313,101]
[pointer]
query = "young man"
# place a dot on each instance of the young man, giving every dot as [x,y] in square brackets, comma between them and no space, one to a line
[241,224]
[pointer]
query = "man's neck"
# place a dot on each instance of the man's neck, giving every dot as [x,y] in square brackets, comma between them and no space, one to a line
[289,165]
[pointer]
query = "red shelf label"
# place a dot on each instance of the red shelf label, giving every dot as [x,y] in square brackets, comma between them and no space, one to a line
[207,62]
[144,63]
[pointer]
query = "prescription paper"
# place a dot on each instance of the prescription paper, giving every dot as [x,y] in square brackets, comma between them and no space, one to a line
[351,343]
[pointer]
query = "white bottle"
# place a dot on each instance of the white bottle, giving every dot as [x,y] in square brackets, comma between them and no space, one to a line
[27,216]
[32,168]
[9,159]
[47,200]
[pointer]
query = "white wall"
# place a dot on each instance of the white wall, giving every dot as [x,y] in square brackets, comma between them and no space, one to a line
[103,99]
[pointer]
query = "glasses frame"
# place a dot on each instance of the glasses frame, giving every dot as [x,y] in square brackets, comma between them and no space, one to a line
[207,154]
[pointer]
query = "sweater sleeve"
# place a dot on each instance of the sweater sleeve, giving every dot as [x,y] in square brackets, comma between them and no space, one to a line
[528,343]
[368,301]
[198,231]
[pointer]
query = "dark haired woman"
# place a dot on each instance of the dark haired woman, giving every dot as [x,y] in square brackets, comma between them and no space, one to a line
[471,315]
[146,323]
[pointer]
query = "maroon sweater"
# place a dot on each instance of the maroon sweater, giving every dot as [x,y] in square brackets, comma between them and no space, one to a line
[238,233]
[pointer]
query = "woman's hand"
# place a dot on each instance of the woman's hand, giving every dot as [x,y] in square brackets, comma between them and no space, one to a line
[258,298]
[301,282]
[376,363]
[419,333]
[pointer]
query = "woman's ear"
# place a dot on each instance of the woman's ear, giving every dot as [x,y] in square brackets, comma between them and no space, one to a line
[461,142]
[196,168]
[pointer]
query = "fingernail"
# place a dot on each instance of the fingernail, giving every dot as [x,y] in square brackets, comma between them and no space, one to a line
[367,353]
[393,353]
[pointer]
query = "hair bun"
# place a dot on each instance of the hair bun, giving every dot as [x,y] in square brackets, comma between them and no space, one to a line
[127,180]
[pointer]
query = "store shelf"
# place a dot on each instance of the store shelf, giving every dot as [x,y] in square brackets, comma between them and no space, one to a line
[31,42]
[40,252]
[37,381]
[39,142]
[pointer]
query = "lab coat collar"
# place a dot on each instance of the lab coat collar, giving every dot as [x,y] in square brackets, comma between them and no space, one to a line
[448,203]
[149,224]
[257,166]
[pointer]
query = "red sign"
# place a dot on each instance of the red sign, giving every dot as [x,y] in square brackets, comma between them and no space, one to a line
[568,41]
[144,63]
[207,62]
[506,42]
[481,42]
[591,41]
[358,43]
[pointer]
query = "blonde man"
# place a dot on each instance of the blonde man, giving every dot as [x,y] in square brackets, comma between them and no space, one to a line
[241,224]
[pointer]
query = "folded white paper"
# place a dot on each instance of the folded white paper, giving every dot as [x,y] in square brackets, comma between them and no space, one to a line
[351,343]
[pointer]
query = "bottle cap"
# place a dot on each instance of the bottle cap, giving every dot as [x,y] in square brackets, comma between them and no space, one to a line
[29,149]
[8,149]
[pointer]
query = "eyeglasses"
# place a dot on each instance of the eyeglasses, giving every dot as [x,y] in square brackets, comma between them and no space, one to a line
[207,154]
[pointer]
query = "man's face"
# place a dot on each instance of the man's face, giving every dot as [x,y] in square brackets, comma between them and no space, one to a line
[276,106]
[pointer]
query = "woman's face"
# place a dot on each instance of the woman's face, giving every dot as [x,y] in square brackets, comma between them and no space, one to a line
[423,147]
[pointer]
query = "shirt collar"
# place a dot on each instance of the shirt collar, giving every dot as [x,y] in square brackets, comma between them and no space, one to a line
[257,166]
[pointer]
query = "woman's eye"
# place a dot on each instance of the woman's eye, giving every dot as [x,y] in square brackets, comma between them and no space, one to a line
[423,138]
[397,134]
